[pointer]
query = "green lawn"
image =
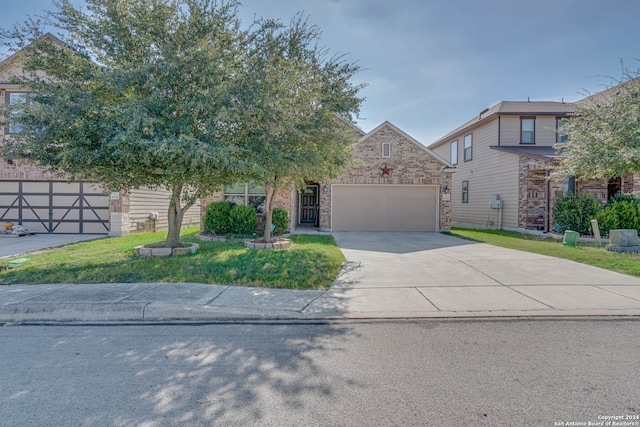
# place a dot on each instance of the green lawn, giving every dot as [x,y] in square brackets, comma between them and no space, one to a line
[585,253]
[313,262]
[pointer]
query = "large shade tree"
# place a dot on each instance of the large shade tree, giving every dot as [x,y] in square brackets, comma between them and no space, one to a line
[142,93]
[603,134]
[298,127]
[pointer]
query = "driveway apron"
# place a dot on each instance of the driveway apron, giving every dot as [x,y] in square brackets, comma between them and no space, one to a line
[433,272]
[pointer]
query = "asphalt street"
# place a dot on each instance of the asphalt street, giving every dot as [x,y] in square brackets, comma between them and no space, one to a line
[351,373]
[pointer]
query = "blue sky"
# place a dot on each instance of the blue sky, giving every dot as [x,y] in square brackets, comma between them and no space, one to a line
[431,65]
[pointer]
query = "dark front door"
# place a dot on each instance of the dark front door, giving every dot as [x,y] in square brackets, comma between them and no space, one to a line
[309,205]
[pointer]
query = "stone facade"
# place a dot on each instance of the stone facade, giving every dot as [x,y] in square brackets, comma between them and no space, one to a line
[409,163]
[283,199]
[533,213]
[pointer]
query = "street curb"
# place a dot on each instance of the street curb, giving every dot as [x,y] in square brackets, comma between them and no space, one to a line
[162,312]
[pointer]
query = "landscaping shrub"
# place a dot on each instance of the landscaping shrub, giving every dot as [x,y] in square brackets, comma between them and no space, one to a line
[242,219]
[216,218]
[622,212]
[575,212]
[281,220]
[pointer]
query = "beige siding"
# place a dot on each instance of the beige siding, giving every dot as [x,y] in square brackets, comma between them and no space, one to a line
[489,172]
[510,131]
[144,201]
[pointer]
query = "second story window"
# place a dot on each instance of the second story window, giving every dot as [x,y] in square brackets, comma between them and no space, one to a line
[560,136]
[527,130]
[468,147]
[15,99]
[454,152]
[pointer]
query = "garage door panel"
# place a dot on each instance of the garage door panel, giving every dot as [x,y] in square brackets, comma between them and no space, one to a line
[36,201]
[55,207]
[384,208]
[35,187]
[66,187]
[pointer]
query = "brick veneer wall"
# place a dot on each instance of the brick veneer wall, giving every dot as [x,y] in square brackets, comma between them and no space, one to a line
[20,170]
[409,164]
[283,200]
[532,192]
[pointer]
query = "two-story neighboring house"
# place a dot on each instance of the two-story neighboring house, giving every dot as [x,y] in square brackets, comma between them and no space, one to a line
[45,203]
[503,160]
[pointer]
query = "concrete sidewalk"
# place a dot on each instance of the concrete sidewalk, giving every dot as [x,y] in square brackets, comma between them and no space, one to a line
[388,275]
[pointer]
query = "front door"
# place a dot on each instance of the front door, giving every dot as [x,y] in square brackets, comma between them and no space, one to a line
[309,205]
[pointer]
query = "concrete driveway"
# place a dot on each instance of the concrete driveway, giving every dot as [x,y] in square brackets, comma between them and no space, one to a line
[11,246]
[433,273]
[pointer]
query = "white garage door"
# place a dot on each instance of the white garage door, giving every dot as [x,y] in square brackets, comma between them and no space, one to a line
[383,208]
[55,207]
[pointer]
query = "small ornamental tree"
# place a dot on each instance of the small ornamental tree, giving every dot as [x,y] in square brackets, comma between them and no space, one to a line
[302,103]
[140,93]
[603,134]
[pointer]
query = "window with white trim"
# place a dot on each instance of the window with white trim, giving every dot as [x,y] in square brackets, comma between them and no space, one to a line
[246,195]
[454,152]
[527,130]
[386,149]
[560,136]
[468,147]
[15,99]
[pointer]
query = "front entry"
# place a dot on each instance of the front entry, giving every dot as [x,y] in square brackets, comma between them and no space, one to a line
[309,205]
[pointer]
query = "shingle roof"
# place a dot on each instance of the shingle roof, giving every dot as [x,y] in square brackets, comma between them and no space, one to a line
[543,153]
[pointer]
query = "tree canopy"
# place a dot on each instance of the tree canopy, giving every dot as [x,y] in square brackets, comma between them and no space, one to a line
[170,94]
[295,130]
[603,134]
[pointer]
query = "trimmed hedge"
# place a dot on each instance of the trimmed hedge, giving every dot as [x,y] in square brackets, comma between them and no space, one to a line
[216,218]
[242,219]
[280,219]
[620,213]
[575,213]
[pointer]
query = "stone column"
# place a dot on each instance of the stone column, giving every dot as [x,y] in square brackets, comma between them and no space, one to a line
[119,207]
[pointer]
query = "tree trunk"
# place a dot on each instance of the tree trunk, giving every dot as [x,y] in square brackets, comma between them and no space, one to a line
[175,215]
[271,192]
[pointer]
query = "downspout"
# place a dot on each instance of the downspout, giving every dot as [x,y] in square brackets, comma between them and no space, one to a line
[499,127]
[547,201]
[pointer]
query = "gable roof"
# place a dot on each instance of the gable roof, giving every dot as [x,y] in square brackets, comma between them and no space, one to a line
[9,61]
[513,108]
[409,138]
[608,93]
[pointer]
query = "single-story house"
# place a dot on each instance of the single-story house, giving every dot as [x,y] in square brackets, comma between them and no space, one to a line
[396,184]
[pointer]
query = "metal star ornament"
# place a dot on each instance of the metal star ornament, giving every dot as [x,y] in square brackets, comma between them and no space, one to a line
[386,170]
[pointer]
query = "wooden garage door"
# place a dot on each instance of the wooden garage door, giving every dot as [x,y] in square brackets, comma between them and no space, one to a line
[383,208]
[55,207]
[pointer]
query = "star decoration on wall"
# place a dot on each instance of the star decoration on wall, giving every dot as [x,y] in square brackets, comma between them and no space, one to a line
[386,170]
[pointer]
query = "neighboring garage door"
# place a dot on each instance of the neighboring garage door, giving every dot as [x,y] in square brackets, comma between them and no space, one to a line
[55,207]
[383,208]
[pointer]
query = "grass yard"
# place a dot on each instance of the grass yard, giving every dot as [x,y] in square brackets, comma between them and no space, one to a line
[313,262]
[585,253]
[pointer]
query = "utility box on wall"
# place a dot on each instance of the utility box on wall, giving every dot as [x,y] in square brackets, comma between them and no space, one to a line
[496,202]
